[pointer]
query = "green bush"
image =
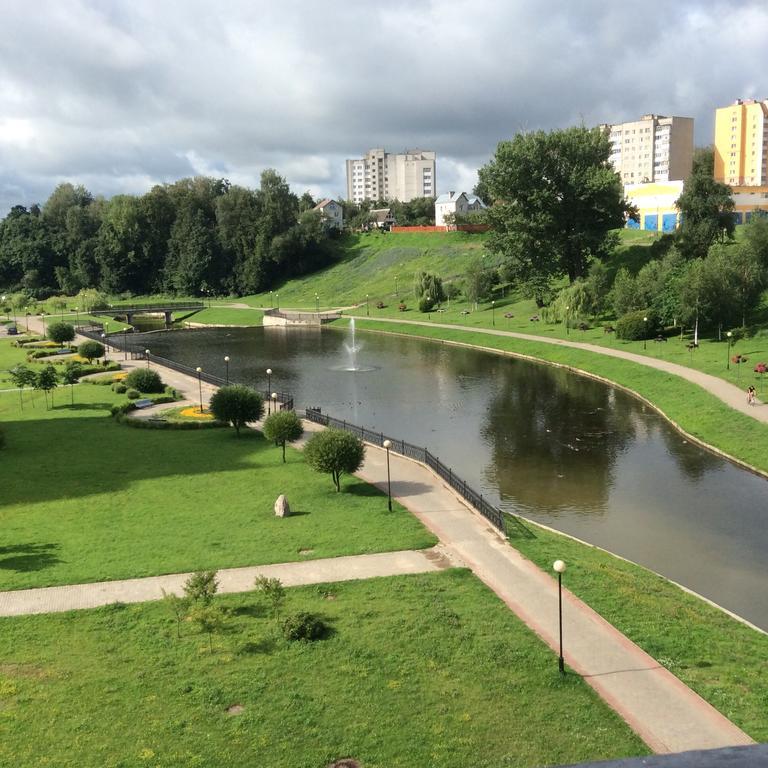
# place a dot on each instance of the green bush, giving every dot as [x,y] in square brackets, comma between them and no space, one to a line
[61,332]
[145,380]
[237,405]
[335,452]
[633,326]
[426,303]
[304,626]
[91,350]
[133,394]
[120,388]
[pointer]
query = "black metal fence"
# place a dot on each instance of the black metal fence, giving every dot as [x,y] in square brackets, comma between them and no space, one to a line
[119,341]
[476,500]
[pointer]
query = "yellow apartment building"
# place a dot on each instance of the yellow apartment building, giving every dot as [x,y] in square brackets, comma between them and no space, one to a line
[741,143]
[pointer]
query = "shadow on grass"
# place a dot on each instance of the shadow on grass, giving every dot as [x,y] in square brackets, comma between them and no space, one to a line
[88,456]
[28,557]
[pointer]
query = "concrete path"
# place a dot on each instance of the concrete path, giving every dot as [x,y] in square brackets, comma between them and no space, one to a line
[70,597]
[728,393]
[664,712]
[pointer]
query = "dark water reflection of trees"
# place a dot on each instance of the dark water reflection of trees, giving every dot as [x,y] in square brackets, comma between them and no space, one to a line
[554,440]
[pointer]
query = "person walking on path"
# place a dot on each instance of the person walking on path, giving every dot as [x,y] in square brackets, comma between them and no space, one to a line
[750,395]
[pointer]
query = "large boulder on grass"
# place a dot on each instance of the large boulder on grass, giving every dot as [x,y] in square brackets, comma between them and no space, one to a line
[282,508]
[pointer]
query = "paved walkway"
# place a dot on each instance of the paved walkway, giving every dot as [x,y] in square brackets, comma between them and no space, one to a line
[728,393]
[666,714]
[77,596]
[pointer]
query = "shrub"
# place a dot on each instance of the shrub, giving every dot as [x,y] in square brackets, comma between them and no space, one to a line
[145,380]
[426,303]
[91,350]
[283,427]
[632,326]
[201,586]
[237,405]
[61,332]
[334,451]
[304,626]
[120,388]
[133,394]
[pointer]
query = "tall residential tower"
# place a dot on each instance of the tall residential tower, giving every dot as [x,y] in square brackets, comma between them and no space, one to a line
[384,176]
[741,143]
[652,149]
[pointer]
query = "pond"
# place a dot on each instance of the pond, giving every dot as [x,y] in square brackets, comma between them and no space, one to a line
[558,448]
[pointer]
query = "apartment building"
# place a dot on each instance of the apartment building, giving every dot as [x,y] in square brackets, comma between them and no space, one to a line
[741,143]
[381,175]
[654,148]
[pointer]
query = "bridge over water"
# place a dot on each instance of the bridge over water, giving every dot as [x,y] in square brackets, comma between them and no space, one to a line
[166,308]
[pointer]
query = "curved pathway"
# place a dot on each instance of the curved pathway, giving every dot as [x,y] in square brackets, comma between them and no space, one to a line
[70,597]
[728,393]
[664,712]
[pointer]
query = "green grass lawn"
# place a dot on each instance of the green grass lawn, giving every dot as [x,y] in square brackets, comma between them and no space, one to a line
[417,671]
[370,263]
[722,659]
[227,316]
[87,499]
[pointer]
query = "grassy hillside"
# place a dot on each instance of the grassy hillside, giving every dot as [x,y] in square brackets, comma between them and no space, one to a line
[369,264]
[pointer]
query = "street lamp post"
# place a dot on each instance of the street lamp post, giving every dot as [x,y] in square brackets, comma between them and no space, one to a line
[645,333]
[42,317]
[106,349]
[317,304]
[200,385]
[146,354]
[387,445]
[277,301]
[226,361]
[567,326]
[125,343]
[559,568]
[367,306]
[269,389]
[728,359]
[77,316]
[273,398]
[493,313]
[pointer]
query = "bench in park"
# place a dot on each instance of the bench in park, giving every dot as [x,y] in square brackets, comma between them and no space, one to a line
[143,403]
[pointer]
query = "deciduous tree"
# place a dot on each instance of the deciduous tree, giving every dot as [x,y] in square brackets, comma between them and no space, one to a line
[557,200]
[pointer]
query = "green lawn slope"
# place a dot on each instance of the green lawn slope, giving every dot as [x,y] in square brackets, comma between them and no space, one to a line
[417,671]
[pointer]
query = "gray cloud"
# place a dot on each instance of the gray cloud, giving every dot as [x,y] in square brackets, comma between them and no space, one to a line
[120,95]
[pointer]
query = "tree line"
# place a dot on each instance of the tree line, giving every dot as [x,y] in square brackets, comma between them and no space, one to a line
[557,206]
[195,236]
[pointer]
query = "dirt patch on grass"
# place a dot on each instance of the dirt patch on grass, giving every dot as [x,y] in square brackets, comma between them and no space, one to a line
[347,762]
[235,709]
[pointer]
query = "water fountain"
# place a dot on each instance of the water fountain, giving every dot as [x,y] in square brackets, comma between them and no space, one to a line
[353,348]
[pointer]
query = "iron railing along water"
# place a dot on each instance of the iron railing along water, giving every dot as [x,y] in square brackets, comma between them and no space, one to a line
[496,516]
[119,342]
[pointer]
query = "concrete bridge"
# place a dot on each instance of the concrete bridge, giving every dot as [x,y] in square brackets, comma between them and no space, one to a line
[166,308]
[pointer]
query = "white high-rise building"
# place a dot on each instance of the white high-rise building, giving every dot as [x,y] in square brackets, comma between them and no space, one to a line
[381,175]
[652,149]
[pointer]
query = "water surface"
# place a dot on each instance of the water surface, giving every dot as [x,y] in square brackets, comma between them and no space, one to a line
[558,448]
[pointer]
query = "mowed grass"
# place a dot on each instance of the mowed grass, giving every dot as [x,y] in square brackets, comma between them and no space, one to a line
[86,499]
[700,414]
[227,316]
[369,264]
[417,671]
[722,659]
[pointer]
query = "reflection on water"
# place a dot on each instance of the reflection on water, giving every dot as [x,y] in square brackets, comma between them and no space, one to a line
[561,449]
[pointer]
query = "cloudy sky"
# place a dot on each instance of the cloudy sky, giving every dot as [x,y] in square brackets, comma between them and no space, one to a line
[121,95]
